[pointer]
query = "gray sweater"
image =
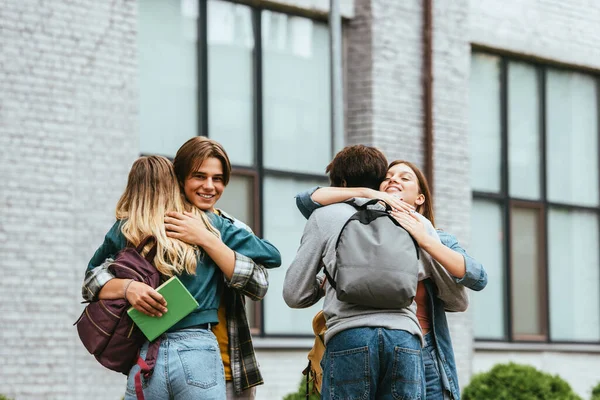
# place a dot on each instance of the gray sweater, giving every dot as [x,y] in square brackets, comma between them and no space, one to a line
[317,248]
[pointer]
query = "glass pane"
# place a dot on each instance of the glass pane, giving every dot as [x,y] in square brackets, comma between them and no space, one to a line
[523,131]
[572,138]
[230,83]
[574,274]
[296,100]
[526,287]
[167,36]
[484,123]
[238,199]
[487,243]
[284,226]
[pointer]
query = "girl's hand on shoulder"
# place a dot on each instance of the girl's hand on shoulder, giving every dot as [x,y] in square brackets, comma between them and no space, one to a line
[186,227]
[396,203]
[413,225]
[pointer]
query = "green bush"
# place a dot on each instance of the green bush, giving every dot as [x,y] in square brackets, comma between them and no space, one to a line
[596,392]
[3,397]
[301,393]
[517,382]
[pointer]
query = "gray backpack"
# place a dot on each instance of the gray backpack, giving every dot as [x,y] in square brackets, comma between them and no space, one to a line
[377,261]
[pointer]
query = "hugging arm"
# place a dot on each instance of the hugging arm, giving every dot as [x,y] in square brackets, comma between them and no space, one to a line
[475,277]
[100,283]
[222,250]
[310,200]
[454,296]
[450,259]
[249,278]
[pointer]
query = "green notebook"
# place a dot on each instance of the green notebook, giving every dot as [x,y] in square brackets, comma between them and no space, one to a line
[179,304]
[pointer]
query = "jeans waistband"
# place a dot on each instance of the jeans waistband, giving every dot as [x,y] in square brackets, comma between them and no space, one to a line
[207,326]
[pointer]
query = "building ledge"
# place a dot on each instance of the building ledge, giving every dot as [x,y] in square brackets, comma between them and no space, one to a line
[537,347]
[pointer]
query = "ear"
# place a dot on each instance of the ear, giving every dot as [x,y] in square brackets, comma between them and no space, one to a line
[420,200]
[344,184]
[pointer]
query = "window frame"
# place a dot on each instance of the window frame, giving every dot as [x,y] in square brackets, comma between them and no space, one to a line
[507,202]
[257,170]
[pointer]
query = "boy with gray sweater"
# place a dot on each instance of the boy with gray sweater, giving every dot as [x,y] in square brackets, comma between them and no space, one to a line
[371,353]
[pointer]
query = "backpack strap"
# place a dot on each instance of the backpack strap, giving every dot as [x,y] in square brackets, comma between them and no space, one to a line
[329,278]
[146,367]
[152,253]
[371,202]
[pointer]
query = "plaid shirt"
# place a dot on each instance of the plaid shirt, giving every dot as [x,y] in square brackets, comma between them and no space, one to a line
[249,279]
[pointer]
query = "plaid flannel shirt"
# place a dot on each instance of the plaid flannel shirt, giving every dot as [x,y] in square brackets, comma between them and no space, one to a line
[248,279]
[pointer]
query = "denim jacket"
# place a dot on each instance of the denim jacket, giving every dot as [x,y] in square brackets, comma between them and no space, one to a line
[475,278]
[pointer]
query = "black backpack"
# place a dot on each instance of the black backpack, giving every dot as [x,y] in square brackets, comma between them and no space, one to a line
[376,262]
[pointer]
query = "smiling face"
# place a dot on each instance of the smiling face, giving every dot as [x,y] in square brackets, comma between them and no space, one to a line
[204,187]
[402,182]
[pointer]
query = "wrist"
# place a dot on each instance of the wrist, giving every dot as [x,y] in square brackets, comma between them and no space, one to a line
[426,242]
[205,239]
[126,287]
[369,193]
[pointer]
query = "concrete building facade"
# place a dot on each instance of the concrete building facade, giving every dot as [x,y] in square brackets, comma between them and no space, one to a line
[87,86]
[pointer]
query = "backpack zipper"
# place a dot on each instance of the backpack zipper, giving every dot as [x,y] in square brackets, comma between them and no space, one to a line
[131,330]
[107,310]
[96,325]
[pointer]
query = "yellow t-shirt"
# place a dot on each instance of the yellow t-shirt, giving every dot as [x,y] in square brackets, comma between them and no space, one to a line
[220,331]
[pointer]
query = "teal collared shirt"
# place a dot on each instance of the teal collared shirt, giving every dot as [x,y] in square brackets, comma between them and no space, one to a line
[205,285]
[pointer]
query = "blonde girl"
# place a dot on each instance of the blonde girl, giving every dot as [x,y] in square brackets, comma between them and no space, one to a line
[188,365]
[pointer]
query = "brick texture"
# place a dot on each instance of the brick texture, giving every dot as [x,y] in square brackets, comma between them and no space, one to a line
[68,134]
[560,30]
[385,92]
[452,193]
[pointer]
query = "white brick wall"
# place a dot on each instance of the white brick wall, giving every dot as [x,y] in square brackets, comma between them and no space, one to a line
[452,194]
[560,30]
[397,79]
[68,134]
[386,108]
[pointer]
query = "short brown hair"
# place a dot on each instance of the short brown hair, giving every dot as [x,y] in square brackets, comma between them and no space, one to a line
[194,152]
[357,166]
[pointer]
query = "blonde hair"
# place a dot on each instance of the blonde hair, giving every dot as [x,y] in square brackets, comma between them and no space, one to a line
[152,191]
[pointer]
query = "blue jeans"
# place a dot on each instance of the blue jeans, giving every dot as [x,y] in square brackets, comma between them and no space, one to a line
[433,378]
[373,363]
[188,366]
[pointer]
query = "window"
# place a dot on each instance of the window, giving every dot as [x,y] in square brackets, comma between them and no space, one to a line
[536,200]
[168,74]
[257,81]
